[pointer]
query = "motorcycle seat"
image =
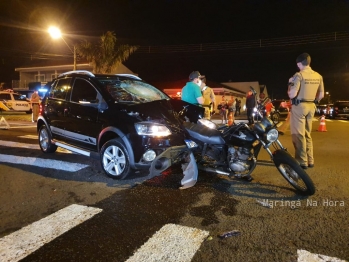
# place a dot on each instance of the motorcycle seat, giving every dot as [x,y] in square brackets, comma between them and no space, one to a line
[204,134]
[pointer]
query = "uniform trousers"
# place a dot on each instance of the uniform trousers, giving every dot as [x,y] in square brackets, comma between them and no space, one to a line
[35,110]
[301,125]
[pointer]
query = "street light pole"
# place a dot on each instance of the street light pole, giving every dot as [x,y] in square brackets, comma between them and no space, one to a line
[74,67]
[56,33]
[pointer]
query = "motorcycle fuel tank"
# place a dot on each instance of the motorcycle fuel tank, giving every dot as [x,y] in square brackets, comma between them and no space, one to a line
[240,138]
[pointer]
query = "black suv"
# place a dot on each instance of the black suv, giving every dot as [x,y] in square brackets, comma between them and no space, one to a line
[341,109]
[120,119]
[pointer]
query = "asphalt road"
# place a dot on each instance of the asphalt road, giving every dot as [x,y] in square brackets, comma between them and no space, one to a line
[131,212]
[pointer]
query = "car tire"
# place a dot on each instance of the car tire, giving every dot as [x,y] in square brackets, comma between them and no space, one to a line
[29,112]
[45,140]
[115,159]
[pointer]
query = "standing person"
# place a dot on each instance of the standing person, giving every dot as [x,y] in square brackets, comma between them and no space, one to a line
[191,92]
[34,102]
[223,107]
[282,129]
[250,105]
[238,106]
[209,99]
[305,89]
[231,108]
[268,108]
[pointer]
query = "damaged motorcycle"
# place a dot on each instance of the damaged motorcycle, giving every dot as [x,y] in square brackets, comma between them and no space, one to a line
[232,151]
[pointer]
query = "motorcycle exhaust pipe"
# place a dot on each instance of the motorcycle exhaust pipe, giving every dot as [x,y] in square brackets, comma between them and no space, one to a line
[213,170]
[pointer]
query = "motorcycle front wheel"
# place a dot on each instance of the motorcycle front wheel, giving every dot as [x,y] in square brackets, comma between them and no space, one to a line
[293,172]
[275,117]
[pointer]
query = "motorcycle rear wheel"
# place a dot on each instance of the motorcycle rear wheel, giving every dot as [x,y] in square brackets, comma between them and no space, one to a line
[293,172]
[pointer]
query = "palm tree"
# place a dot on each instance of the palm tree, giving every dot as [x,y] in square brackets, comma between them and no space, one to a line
[105,55]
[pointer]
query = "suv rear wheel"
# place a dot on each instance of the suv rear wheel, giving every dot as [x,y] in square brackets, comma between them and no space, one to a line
[45,140]
[115,159]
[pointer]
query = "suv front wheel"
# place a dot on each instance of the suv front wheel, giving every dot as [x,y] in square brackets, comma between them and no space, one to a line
[45,140]
[115,159]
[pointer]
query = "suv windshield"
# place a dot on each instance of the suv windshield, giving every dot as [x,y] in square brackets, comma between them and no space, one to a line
[131,90]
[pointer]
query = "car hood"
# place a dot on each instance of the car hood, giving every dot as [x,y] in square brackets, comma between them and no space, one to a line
[160,111]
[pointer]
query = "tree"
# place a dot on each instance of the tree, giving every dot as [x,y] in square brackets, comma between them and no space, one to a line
[105,55]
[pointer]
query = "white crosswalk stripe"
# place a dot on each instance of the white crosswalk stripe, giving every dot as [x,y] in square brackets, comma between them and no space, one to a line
[23,242]
[171,243]
[305,256]
[29,137]
[30,146]
[45,163]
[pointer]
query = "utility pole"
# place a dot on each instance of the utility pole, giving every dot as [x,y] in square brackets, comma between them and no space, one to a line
[74,68]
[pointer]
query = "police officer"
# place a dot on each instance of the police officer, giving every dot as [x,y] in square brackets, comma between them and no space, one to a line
[305,89]
[34,102]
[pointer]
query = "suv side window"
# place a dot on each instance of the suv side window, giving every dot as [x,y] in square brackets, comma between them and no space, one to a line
[83,92]
[61,89]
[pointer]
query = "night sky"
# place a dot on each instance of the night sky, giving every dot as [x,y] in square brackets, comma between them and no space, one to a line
[253,40]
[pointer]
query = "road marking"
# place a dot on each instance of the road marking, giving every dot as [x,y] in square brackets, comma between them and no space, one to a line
[46,163]
[306,256]
[23,126]
[18,144]
[23,242]
[29,136]
[171,243]
[30,146]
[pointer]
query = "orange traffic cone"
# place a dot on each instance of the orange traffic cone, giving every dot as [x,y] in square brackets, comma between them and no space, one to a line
[322,126]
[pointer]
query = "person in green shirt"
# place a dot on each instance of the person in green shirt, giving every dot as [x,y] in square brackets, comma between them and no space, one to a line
[191,92]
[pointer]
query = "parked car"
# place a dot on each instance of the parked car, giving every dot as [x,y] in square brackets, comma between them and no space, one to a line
[280,112]
[324,110]
[341,109]
[11,101]
[120,119]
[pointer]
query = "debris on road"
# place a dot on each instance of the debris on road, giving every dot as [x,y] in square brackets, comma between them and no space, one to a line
[229,234]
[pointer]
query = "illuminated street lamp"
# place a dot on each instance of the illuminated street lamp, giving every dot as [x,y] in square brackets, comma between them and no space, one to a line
[56,33]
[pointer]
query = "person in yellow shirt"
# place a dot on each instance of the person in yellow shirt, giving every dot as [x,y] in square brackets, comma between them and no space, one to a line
[209,99]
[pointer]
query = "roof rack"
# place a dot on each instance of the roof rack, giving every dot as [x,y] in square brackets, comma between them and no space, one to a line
[129,75]
[84,72]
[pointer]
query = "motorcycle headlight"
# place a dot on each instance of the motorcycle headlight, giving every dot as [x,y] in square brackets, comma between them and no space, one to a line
[151,129]
[272,135]
[207,123]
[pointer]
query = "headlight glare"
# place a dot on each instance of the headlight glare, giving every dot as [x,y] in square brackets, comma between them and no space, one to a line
[207,123]
[151,129]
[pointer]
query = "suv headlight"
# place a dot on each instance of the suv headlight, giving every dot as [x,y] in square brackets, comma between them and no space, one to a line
[151,129]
